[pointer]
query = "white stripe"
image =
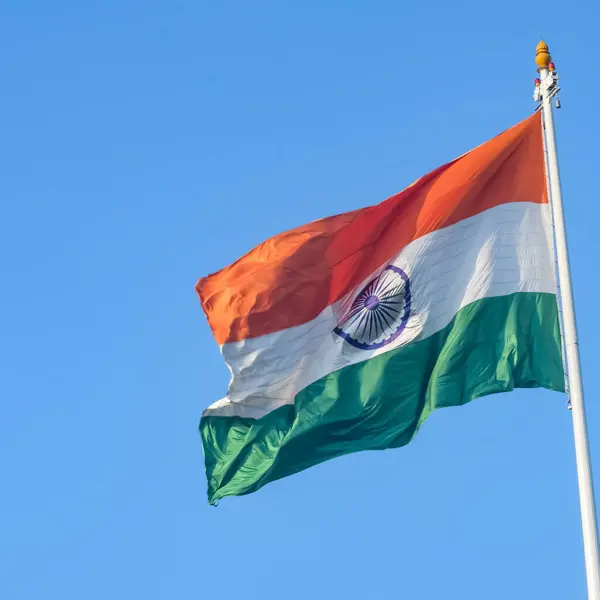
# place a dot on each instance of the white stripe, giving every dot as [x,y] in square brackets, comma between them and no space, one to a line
[501,251]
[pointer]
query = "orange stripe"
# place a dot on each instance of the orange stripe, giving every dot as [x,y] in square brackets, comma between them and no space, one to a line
[289,279]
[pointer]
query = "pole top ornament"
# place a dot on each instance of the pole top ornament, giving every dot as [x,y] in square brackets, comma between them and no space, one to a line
[542,55]
[546,84]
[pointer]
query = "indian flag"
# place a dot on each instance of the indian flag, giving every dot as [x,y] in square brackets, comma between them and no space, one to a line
[345,334]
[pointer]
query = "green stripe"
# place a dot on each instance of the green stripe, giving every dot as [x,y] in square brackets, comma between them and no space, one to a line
[493,345]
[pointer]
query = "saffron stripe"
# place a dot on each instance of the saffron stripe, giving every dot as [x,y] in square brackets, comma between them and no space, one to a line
[291,278]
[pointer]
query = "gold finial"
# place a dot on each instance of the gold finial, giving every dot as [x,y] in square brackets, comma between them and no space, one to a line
[542,55]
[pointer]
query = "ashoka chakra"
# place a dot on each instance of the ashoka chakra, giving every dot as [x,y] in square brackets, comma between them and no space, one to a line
[379,313]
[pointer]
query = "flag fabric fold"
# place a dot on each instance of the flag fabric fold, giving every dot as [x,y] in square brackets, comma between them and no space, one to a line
[344,334]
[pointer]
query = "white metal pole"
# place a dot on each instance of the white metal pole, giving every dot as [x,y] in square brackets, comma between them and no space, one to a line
[548,89]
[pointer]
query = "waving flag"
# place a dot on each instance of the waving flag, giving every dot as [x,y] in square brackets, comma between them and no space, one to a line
[344,334]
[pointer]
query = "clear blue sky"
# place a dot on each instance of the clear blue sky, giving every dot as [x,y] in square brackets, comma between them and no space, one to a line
[145,144]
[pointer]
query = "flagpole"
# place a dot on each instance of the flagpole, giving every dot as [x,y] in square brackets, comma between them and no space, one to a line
[547,89]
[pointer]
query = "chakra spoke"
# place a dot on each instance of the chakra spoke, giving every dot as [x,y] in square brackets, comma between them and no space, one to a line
[385,311]
[391,293]
[382,291]
[355,310]
[391,305]
[380,321]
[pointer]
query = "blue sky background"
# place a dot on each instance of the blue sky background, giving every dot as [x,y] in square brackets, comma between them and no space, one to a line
[145,144]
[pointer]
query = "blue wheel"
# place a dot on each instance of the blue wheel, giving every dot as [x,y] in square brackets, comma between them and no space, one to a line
[379,313]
